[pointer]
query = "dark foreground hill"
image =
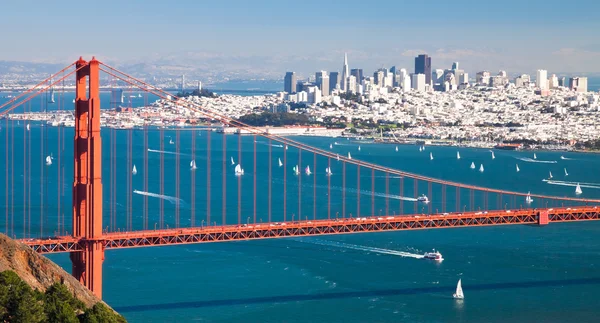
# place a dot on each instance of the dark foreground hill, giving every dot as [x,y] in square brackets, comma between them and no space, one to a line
[34,289]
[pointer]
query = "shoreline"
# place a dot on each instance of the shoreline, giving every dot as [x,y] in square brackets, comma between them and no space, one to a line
[333,133]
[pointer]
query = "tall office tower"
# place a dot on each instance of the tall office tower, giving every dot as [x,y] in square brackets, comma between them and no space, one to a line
[423,66]
[351,86]
[483,78]
[345,74]
[322,81]
[578,84]
[289,82]
[553,81]
[358,73]
[418,82]
[379,75]
[455,65]
[199,86]
[334,80]
[464,78]
[404,80]
[182,83]
[562,81]
[541,80]
[437,76]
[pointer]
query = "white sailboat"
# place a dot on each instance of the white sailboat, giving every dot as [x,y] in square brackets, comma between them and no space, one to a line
[238,170]
[358,148]
[550,175]
[134,170]
[48,160]
[51,96]
[459,292]
[330,146]
[528,199]
[337,157]
[286,147]
[481,168]
[518,170]
[232,162]
[193,164]
[534,156]
[493,156]
[28,127]
[420,148]
[423,147]
[457,155]
[430,156]
[171,142]
[578,189]
[307,170]
[280,163]
[295,169]
[566,174]
[472,165]
[396,148]
[328,171]
[349,156]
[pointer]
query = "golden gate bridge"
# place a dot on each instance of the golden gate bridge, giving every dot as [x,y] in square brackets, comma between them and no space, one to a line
[87,236]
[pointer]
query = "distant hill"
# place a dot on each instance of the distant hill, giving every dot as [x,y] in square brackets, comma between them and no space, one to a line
[34,289]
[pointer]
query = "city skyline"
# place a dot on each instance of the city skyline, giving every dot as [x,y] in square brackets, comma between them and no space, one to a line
[263,37]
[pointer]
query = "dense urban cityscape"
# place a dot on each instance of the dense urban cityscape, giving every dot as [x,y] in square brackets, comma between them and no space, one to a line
[443,105]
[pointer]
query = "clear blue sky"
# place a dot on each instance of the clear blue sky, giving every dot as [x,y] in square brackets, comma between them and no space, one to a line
[502,34]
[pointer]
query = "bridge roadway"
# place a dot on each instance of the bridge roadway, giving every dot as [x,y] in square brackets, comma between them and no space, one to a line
[146,238]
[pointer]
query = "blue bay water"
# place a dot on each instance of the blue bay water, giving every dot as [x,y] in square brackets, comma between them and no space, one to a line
[516,273]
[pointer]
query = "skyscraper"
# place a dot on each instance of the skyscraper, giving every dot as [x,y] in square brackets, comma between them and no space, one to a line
[578,84]
[183,83]
[289,82]
[345,74]
[418,82]
[541,80]
[358,73]
[423,66]
[334,80]
[322,81]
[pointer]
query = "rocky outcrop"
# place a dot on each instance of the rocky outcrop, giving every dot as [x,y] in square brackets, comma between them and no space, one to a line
[38,271]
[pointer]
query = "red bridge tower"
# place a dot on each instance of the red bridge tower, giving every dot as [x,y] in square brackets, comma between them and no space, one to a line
[87,184]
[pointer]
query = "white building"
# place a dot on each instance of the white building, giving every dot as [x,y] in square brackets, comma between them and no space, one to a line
[405,80]
[553,82]
[419,82]
[541,80]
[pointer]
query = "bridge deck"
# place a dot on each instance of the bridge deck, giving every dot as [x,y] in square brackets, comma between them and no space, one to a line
[176,236]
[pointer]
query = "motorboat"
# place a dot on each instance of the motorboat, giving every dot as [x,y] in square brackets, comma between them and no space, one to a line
[423,198]
[434,255]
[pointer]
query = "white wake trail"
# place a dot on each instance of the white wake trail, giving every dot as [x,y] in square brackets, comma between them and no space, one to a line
[573,184]
[529,160]
[362,248]
[171,199]
[166,152]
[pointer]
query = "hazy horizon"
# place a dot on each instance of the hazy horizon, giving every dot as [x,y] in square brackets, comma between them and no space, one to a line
[267,38]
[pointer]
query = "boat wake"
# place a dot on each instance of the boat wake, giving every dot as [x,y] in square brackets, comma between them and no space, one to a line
[362,248]
[573,184]
[364,192]
[166,152]
[171,199]
[266,144]
[529,160]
